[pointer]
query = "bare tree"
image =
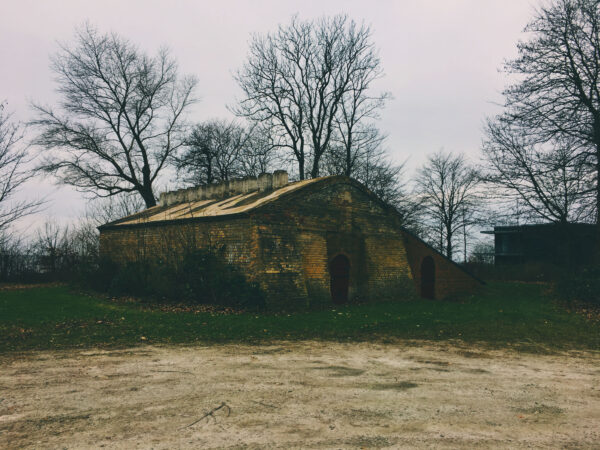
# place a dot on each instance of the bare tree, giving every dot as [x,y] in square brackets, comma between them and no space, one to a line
[13,157]
[219,150]
[348,155]
[355,136]
[121,116]
[16,259]
[483,253]
[296,80]
[105,210]
[258,155]
[556,95]
[381,176]
[446,186]
[53,248]
[211,152]
[388,182]
[63,251]
[548,180]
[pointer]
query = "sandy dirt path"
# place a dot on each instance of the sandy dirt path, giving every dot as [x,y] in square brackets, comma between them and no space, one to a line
[300,395]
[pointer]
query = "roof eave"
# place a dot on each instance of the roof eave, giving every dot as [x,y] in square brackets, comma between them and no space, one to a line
[154,223]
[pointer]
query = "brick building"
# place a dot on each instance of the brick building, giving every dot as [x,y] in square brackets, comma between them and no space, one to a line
[326,238]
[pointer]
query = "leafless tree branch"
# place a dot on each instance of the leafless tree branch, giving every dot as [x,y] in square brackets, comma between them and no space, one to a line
[552,111]
[302,79]
[120,118]
[446,186]
[13,158]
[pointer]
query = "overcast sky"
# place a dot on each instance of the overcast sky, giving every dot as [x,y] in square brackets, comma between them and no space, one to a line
[440,57]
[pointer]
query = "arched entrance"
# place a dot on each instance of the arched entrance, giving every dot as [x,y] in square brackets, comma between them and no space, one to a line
[339,269]
[428,278]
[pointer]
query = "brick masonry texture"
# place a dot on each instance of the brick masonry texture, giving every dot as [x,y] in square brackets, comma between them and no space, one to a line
[287,245]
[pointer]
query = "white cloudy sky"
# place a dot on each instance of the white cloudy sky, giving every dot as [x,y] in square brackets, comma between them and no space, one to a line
[440,57]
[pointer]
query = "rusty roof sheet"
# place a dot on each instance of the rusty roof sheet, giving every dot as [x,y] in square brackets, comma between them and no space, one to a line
[236,204]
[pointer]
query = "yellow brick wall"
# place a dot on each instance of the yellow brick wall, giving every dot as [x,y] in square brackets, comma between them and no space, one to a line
[450,280]
[287,246]
[236,239]
[341,219]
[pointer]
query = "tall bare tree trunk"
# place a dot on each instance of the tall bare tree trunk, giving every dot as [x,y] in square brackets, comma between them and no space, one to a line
[597,258]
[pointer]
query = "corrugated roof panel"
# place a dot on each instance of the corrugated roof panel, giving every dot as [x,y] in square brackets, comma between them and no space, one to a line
[236,204]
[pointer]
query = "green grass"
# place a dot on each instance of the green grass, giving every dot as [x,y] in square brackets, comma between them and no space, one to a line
[502,314]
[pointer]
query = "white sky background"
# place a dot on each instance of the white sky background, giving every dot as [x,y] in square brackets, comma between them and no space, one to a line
[440,57]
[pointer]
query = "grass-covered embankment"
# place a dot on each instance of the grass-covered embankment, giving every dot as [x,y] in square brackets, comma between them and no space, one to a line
[501,314]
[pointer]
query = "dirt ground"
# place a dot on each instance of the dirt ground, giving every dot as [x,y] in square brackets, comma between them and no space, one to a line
[300,395]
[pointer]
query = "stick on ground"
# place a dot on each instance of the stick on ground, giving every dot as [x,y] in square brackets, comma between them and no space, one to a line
[211,414]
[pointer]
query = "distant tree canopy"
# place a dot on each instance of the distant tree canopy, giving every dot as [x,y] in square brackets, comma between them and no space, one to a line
[120,118]
[219,150]
[446,187]
[545,146]
[309,84]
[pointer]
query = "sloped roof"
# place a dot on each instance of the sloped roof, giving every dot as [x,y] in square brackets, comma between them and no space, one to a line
[212,208]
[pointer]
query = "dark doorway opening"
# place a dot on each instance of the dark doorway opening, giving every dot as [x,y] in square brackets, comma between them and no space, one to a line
[339,270]
[428,278]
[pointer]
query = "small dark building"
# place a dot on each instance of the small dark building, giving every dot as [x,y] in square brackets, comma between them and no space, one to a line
[552,243]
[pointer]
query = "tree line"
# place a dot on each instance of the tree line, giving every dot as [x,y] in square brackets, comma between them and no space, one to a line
[308,103]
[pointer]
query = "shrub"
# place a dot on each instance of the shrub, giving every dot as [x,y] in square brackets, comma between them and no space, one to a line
[134,279]
[199,277]
[207,278]
[582,285]
[528,272]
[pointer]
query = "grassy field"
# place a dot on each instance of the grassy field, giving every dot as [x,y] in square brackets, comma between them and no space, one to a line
[502,314]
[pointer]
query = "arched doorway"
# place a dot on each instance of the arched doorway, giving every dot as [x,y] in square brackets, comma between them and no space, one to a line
[428,278]
[339,269]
